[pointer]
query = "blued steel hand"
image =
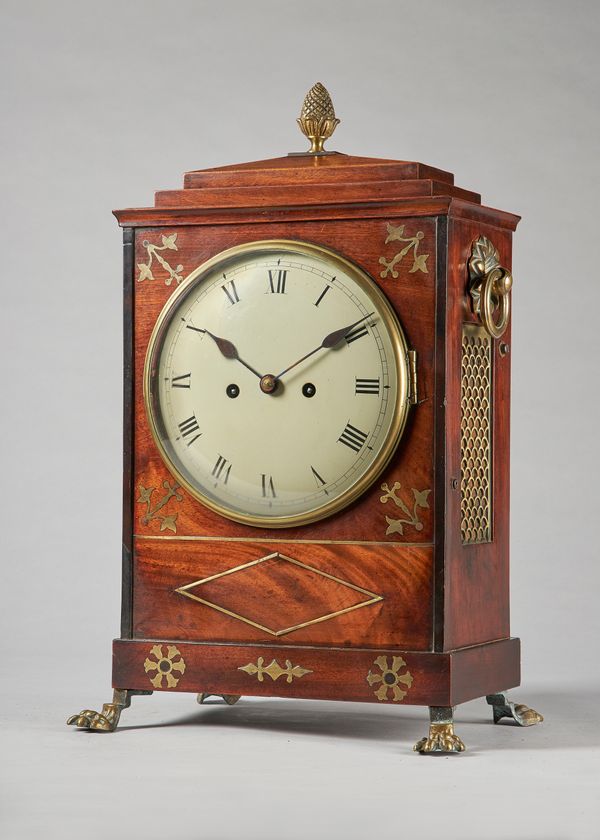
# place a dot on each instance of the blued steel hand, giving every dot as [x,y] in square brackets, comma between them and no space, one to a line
[229,350]
[329,341]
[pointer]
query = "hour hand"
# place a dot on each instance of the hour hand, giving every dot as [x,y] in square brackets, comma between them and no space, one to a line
[229,350]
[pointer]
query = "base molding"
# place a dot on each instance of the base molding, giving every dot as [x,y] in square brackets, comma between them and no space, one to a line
[362,675]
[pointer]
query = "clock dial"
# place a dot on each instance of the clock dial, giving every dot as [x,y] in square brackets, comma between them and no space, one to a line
[276,383]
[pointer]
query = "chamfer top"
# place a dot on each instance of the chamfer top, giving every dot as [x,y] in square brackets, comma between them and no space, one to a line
[317,118]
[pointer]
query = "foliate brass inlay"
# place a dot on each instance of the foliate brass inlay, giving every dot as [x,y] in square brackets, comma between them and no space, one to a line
[145,269]
[370,597]
[476,436]
[420,500]
[393,680]
[274,670]
[396,234]
[168,522]
[165,665]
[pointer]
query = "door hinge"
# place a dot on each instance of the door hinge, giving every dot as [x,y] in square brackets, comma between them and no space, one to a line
[413,394]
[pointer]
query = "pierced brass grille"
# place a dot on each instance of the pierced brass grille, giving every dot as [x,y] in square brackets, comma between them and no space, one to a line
[476,436]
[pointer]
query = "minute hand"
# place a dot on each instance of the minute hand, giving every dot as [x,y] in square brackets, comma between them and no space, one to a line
[328,342]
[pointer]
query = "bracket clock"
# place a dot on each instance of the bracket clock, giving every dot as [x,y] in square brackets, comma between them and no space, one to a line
[316,452]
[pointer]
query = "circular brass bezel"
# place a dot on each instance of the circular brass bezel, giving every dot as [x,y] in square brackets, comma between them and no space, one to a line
[391,324]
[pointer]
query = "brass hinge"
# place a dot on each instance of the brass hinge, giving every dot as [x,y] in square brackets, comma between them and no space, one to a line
[413,394]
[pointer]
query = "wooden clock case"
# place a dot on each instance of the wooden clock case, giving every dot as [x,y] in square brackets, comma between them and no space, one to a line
[385,601]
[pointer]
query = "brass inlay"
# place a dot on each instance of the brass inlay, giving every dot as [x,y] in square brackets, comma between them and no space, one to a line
[441,739]
[476,436]
[317,120]
[490,286]
[164,665]
[420,497]
[168,244]
[372,597]
[274,670]
[396,234]
[392,677]
[167,522]
[205,538]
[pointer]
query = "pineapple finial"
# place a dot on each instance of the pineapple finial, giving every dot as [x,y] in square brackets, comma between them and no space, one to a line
[317,119]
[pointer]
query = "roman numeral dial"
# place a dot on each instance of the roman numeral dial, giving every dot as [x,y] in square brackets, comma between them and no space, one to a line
[274,384]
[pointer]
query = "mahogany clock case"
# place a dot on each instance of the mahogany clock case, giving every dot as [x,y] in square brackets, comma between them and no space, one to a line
[390,576]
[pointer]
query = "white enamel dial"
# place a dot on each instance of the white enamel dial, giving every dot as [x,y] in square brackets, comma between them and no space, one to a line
[249,426]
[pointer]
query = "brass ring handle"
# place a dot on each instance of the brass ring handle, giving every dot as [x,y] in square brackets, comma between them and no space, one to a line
[490,286]
[495,292]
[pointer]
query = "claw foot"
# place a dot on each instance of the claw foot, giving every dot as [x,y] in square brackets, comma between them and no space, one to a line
[108,719]
[441,733]
[441,739]
[521,714]
[230,699]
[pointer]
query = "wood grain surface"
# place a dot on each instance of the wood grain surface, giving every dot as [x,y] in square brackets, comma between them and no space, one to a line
[437,679]
[279,594]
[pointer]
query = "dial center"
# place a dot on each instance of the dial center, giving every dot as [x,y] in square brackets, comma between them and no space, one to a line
[268,383]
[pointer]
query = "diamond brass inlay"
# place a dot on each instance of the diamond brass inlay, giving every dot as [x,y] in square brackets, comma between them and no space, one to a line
[297,571]
[476,436]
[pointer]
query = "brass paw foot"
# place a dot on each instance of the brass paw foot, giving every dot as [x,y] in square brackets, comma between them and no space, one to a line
[441,733]
[230,699]
[521,714]
[108,719]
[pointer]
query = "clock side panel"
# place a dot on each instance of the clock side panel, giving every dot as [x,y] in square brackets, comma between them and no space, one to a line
[477,447]
[400,255]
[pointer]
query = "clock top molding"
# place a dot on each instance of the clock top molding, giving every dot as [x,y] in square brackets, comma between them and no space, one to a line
[308,186]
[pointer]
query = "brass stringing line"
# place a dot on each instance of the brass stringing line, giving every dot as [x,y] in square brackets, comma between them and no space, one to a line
[286,630]
[231,571]
[331,577]
[287,542]
[226,611]
[373,597]
[374,600]
[287,559]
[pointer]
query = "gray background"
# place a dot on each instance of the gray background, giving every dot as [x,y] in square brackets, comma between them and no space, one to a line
[105,102]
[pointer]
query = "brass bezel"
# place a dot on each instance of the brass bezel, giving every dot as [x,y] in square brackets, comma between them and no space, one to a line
[399,344]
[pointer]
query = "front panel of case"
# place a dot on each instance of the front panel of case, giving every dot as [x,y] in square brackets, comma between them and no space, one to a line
[361,577]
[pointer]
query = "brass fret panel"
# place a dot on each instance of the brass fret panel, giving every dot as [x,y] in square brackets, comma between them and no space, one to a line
[476,436]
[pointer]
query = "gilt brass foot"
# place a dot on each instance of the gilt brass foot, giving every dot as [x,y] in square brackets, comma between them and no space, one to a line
[441,733]
[503,707]
[230,699]
[108,719]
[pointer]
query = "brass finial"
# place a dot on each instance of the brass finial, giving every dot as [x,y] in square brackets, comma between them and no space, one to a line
[317,119]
